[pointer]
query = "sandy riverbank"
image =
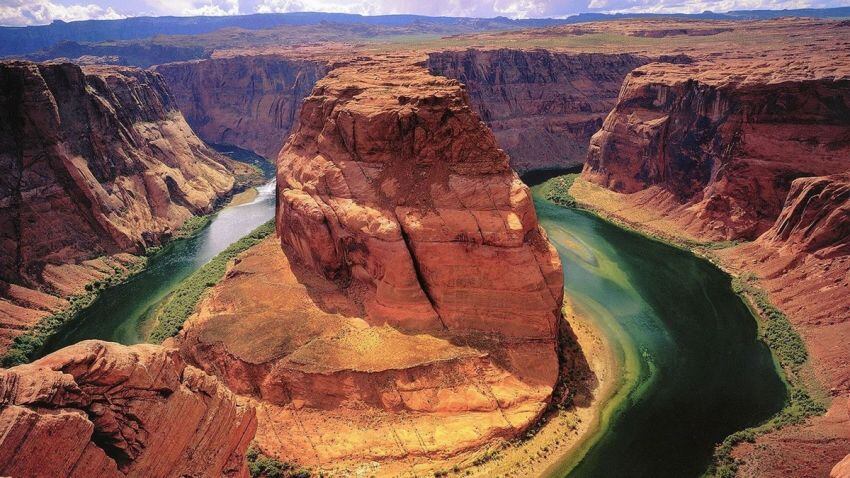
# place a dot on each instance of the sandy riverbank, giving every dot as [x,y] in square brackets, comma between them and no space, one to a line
[564,430]
[244,197]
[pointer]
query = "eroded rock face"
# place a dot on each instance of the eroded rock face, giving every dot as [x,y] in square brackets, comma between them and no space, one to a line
[96,161]
[106,410]
[815,217]
[542,106]
[724,140]
[413,310]
[248,101]
[392,182]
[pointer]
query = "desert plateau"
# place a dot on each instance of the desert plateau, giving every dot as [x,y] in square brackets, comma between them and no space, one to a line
[465,239]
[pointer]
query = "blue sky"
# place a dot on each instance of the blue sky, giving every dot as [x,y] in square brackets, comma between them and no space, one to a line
[36,12]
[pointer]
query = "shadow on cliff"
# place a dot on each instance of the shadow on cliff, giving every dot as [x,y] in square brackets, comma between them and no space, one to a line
[576,380]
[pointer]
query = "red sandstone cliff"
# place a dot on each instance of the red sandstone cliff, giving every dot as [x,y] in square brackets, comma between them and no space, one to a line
[98,409]
[249,101]
[542,106]
[815,217]
[722,142]
[97,161]
[392,182]
[414,311]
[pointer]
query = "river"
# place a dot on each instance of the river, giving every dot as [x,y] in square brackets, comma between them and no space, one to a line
[119,314]
[693,370]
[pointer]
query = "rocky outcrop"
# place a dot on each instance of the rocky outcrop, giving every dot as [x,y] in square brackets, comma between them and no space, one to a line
[413,312]
[392,182]
[96,161]
[106,410]
[815,217]
[842,468]
[724,141]
[542,106]
[249,101]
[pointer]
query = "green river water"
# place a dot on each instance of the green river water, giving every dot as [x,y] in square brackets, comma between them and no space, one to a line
[693,369]
[120,313]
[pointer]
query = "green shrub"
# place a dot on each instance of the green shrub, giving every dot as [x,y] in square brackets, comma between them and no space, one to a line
[173,311]
[263,466]
[192,225]
[25,346]
[558,190]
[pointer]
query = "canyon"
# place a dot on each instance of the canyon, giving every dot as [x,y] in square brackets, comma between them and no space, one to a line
[724,151]
[542,106]
[256,100]
[100,165]
[408,313]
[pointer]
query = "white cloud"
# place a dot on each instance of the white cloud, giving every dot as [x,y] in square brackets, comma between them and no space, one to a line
[29,12]
[520,8]
[40,12]
[679,6]
[452,8]
[193,7]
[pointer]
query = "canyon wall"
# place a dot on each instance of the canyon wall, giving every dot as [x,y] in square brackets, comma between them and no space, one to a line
[97,161]
[721,141]
[815,217]
[249,101]
[106,410]
[542,106]
[760,153]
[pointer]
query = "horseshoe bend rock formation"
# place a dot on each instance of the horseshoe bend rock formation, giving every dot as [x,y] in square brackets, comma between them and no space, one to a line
[716,146]
[542,106]
[414,311]
[106,410]
[249,101]
[97,161]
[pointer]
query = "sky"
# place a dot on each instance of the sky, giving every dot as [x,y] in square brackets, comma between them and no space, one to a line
[40,12]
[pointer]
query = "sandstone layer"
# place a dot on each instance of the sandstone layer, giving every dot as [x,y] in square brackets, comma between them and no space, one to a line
[414,310]
[842,468]
[105,410]
[718,144]
[542,106]
[98,161]
[249,101]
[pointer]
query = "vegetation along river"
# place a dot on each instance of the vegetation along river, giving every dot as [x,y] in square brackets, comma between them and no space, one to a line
[693,370]
[119,314]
